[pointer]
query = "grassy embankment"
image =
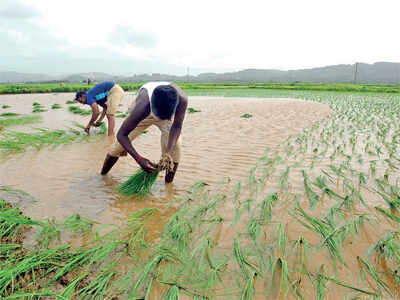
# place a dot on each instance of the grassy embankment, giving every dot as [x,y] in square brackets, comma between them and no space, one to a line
[200,88]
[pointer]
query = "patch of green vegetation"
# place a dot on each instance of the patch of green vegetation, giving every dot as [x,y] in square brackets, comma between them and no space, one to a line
[38,108]
[79,111]
[19,120]
[193,110]
[70,102]
[56,106]
[4,106]
[246,116]
[122,115]
[9,114]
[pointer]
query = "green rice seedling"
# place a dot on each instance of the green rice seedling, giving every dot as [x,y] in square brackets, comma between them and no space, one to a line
[346,285]
[179,229]
[77,223]
[20,141]
[19,121]
[79,111]
[38,108]
[284,179]
[44,260]
[313,198]
[388,247]
[320,182]
[135,228]
[9,114]
[35,295]
[379,282]
[193,110]
[266,207]
[246,116]
[284,275]
[149,267]
[326,232]
[4,106]
[49,232]
[70,102]
[249,291]
[87,257]
[56,106]
[70,289]
[11,222]
[388,214]
[140,183]
[148,290]
[392,203]
[242,261]
[280,235]
[321,283]
[145,131]
[254,229]
[172,293]
[302,249]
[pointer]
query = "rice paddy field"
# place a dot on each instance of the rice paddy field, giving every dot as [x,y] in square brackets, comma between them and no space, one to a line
[281,194]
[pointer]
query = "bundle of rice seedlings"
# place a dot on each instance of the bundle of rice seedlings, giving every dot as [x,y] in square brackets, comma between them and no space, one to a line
[141,182]
[193,110]
[5,106]
[38,108]
[8,114]
[79,111]
[55,106]
[246,116]
[69,102]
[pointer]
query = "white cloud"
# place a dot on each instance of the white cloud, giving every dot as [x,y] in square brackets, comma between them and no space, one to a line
[203,35]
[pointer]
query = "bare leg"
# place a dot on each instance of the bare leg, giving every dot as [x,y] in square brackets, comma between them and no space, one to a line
[169,176]
[111,124]
[109,162]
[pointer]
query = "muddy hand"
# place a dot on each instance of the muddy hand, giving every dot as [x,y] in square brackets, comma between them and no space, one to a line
[147,165]
[87,129]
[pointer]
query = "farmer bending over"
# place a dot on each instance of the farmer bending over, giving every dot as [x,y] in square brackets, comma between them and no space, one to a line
[108,95]
[162,104]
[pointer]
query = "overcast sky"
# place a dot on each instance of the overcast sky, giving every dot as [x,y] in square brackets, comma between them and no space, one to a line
[128,37]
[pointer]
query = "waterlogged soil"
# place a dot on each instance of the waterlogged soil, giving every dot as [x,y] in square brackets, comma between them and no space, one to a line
[217,143]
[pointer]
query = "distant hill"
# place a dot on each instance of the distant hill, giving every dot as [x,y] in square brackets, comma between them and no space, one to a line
[380,72]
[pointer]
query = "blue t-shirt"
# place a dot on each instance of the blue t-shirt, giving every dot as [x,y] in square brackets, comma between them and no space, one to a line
[99,92]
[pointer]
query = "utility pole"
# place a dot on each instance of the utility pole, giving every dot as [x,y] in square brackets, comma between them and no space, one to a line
[355,73]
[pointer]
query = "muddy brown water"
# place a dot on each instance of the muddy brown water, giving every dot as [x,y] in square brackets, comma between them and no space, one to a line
[217,143]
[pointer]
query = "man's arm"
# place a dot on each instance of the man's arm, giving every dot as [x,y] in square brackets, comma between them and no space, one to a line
[103,114]
[95,114]
[176,127]
[139,113]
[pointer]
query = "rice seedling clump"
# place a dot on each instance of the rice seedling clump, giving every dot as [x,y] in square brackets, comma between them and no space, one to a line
[141,182]
[193,110]
[79,111]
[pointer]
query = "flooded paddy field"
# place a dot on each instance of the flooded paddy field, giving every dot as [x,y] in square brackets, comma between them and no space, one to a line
[298,200]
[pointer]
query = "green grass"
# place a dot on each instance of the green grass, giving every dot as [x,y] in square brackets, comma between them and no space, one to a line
[12,121]
[209,88]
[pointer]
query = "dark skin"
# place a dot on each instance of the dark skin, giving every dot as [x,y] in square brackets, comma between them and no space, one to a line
[95,114]
[140,112]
